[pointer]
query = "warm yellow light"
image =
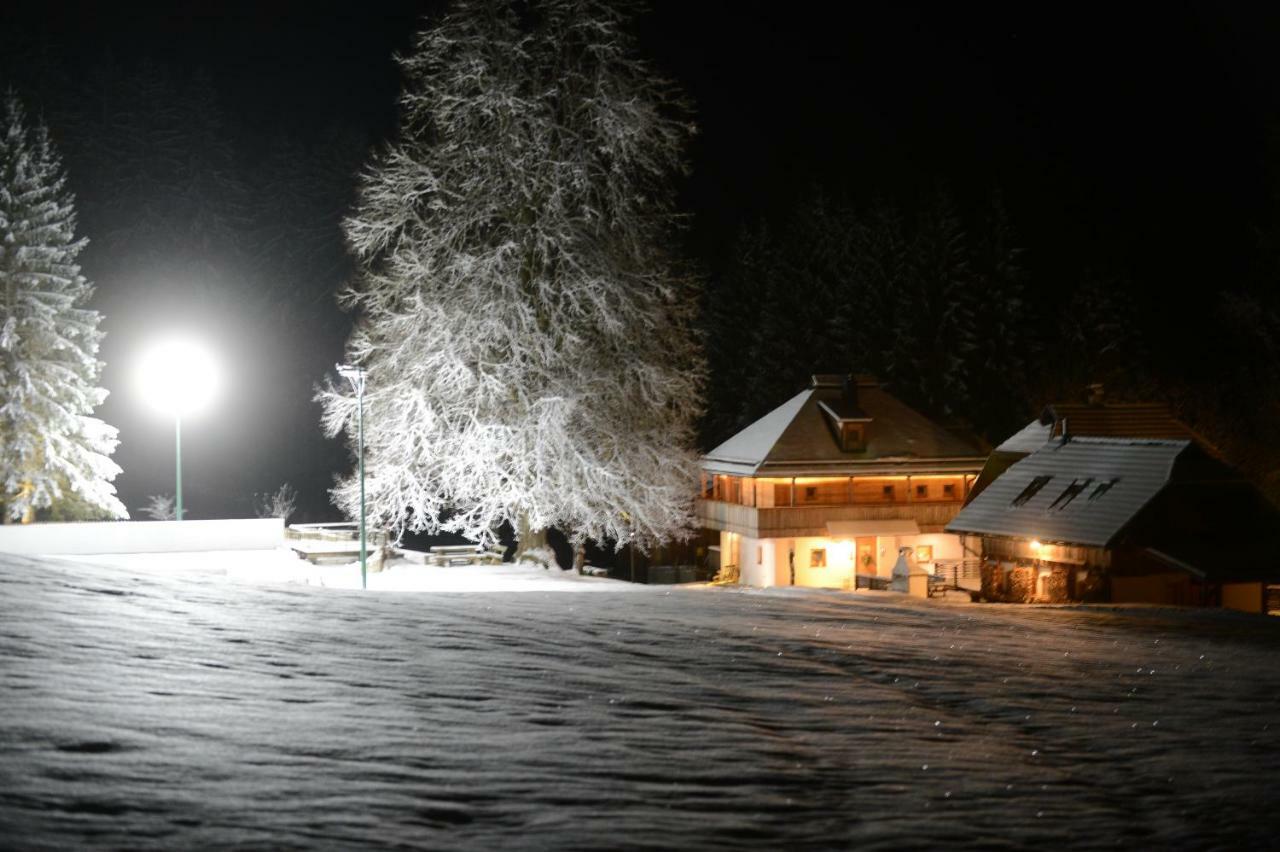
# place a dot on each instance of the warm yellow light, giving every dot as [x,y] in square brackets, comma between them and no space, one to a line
[1036,545]
[842,551]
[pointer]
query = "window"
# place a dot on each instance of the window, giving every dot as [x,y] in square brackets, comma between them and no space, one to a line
[887,492]
[922,492]
[1033,488]
[810,492]
[818,557]
[1103,488]
[1070,493]
[852,438]
[949,489]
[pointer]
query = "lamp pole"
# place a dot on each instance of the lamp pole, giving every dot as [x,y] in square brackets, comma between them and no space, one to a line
[355,375]
[177,377]
[177,458]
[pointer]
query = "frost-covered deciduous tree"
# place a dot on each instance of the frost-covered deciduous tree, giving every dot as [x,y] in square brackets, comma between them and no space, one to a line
[527,334]
[279,504]
[160,507]
[50,444]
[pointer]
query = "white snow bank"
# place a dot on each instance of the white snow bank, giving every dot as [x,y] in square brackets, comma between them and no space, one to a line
[90,537]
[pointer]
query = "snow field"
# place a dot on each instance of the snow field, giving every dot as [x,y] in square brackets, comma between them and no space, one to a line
[152,710]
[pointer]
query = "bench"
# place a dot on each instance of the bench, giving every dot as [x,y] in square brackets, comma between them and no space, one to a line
[462,554]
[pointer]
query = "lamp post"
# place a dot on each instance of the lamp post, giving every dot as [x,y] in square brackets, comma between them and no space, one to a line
[178,378]
[355,375]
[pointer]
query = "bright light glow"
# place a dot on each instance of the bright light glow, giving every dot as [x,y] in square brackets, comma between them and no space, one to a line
[1036,545]
[842,551]
[178,377]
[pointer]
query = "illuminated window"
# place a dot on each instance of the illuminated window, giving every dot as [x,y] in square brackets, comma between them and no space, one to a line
[818,557]
[1033,488]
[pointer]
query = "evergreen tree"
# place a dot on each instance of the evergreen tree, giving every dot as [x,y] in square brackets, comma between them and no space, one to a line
[51,448]
[529,344]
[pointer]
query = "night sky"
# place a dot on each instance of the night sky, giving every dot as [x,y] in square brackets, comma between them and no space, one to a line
[1135,140]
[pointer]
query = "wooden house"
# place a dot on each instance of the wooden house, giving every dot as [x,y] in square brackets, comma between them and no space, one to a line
[835,485]
[1122,519]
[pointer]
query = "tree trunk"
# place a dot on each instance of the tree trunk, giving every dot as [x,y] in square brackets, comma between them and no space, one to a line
[29,513]
[528,539]
[579,557]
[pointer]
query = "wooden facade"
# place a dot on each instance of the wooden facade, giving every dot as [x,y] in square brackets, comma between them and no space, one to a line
[796,521]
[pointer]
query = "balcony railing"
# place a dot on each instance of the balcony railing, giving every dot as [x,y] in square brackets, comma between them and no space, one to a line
[796,521]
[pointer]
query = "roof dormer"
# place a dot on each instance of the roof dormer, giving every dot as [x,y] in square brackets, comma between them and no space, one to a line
[849,424]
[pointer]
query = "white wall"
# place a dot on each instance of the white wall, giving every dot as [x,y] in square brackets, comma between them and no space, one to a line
[944,546]
[141,536]
[837,574]
[758,563]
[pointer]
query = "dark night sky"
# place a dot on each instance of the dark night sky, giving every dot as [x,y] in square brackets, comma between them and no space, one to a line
[1086,120]
[1130,139]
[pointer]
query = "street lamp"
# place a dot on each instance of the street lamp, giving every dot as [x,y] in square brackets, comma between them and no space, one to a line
[178,378]
[355,375]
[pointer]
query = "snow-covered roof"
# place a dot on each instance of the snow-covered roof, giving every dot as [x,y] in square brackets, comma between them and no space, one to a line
[1028,439]
[1113,480]
[796,439]
[752,445]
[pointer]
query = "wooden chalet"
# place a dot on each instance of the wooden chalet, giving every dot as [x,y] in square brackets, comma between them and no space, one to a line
[835,485]
[1121,519]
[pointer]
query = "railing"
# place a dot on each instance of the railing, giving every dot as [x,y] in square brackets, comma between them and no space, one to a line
[790,521]
[948,573]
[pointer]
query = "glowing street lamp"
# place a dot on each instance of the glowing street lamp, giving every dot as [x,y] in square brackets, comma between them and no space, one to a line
[355,375]
[178,378]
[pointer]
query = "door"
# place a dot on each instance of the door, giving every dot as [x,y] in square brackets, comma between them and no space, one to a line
[864,561]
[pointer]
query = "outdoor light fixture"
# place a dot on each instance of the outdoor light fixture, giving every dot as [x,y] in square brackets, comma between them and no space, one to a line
[355,375]
[1036,545]
[178,378]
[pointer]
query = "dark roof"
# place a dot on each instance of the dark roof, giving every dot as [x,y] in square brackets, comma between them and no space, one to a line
[1113,480]
[795,439]
[1119,420]
[1151,420]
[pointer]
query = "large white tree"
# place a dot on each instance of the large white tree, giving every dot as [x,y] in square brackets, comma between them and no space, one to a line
[526,331]
[53,453]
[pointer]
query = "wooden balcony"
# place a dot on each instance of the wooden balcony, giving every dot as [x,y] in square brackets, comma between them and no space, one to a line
[797,521]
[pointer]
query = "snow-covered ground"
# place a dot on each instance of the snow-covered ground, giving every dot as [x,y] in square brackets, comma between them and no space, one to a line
[148,707]
[398,575]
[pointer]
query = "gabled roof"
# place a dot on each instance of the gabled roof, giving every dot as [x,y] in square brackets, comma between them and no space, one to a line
[1149,420]
[1119,420]
[1113,480]
[795,439]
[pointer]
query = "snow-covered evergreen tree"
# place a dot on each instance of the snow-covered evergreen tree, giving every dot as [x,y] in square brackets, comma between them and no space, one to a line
[51,448]
[528,338]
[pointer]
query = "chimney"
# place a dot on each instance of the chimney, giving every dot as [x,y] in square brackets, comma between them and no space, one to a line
[1095,393]
[850,391]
